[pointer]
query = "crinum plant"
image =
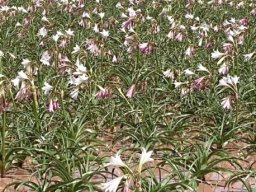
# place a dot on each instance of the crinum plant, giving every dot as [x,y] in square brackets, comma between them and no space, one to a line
[131,175]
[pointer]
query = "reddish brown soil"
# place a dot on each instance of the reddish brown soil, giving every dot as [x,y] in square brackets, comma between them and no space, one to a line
[214,182]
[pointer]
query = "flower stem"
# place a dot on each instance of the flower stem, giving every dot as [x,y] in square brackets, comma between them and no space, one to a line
[3,144]
[35,107]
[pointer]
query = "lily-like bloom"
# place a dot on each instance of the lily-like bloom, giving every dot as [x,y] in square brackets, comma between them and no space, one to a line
[226,103]
[116,161]
[78,80]
[112,185]
[223,69]
[53,105]
[25,62]
[114,59]
[179,37]
[188,72]
[216,54]
[19,79]
[76,49]
[103,93]
[199,84]
[169,74]
[42,32]
[80,68]
[228,47]
[229,80]
[104,33]
[146,48]
[200,67]
[131,91]
[248,56]
[22,75]
[1,53]
[144,158]
[24,92]
[45,59]
[92,46]
[74,93]
[16,82]
[178,84]
[190,51]
[69,32]
[57,36]
[47,88]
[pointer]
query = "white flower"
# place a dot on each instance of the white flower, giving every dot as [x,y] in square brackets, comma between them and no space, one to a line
[44,18]
[190,51]
[226,103]
[184,92]
[81,69]
[248,56]
[16,82]
[223,69]
[69,32]
[78,80]
[42,32]
[112,185]
[22,9]
[119,5]
[1,53]
[116,161]
[47,88]
[114,59]
[132,12]
[22,75]
[216,54]
[177,84]
[25,62]
[45,59]
[57,36]
[145,157]
[229,80]
[168,73]
[96,28]
[188,72]
[18,24]
[20,78]
[170,19]
[104,33]
[5,8]
[101,15]
[76,49]
[123,16]
[200,67]
[85,14]
[223,82]
[189,16]
[74,93]
[234,80]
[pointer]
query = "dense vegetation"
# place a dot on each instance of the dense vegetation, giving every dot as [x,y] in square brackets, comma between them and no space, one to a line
[138,95]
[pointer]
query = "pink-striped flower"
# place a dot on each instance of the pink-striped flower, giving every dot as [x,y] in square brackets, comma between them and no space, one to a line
[53,105]
[146,48]
[131,91]
[226,103]
[103,93]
